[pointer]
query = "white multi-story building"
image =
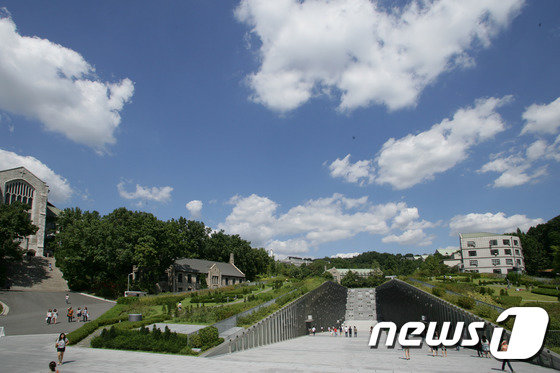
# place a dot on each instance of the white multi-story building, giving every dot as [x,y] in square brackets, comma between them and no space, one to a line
[491,253]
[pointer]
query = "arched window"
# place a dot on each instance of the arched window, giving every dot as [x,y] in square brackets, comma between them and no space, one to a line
[19,190]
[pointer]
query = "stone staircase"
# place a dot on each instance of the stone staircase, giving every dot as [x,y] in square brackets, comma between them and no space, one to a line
[360,308]
[34,274]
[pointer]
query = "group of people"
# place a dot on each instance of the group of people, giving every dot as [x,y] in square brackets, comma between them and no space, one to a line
[348,330]
[81,314]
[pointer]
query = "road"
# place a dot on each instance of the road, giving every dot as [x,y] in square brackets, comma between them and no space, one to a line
[28,311]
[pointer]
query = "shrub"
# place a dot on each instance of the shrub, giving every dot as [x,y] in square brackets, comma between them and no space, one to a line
[486,312]
[466,302]
[508,301]
[545,291]
[438,292]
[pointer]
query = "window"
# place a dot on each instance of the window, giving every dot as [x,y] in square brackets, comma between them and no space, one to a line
[472,253]
[493,242]
[20,191]
[189,279]
[494,252]
[509,262]
[215,280]
[474,270]
[518,261]
[497,270]
[470,244]
[515,242]
[517,252]
[473,263]
[496,262]
[507,251]
[506,242]
[226,281]
[180,277]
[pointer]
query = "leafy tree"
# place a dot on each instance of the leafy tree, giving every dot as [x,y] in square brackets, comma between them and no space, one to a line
[15,224]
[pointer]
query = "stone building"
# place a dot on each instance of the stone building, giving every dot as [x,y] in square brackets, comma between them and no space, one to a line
[188,274]
[19,184]
[340,273]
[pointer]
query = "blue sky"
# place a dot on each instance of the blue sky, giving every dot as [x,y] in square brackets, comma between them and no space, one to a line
[311,128]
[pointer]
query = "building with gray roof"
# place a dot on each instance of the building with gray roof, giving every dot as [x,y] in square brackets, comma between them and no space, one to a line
[190,274]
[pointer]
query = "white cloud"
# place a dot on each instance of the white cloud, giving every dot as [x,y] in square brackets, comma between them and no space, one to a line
[313,223]
[361,172]
[345,255]
[411,237]
[158,194]
[515,171]
[194,207]
[542,119]
[366,53]
[412,159]
[488,222]
[518,169]
[60,190]
[56,86]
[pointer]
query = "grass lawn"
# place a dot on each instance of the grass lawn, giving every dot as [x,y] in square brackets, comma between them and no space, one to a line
[526,296]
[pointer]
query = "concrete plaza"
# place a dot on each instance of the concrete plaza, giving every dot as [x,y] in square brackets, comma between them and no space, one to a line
[320,353]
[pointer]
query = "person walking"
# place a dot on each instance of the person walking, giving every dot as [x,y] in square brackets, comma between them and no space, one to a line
[52,366]
[61,347]
[54,316]
[79,314]
[85,314]
[49,316]
[355,332]
[67,298]
[70,314]
[346,331]
[504,347]
[485,347]
[349,332]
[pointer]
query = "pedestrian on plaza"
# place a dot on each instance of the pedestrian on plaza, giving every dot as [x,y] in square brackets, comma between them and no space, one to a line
[61,347]
[479,347]
[52,366]
[443,351]
[70,314]
[85,314]
[345,331]
[370,330]
[485,347]
[335,331]
[49,316]
[67,298]
[313,330]
[50,267]
[350,332]
[355,332]
[504,347]
[79,313]
[435,348]
[54,316]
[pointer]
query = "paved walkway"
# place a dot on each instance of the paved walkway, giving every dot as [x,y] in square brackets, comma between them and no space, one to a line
[28,311]
[321,353]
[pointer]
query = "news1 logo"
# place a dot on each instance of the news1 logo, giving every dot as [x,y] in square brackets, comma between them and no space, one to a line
[527,335]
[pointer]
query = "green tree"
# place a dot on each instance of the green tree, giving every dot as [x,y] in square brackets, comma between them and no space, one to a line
[15,224]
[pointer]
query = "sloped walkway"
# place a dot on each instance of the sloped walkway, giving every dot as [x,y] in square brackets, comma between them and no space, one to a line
[34,274]
[321,353]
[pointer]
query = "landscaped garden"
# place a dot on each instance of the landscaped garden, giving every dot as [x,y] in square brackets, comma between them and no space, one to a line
[514,291]
[204,307]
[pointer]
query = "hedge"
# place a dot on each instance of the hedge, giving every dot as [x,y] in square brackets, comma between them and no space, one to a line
[156,340]
[466,302]
[545,291]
